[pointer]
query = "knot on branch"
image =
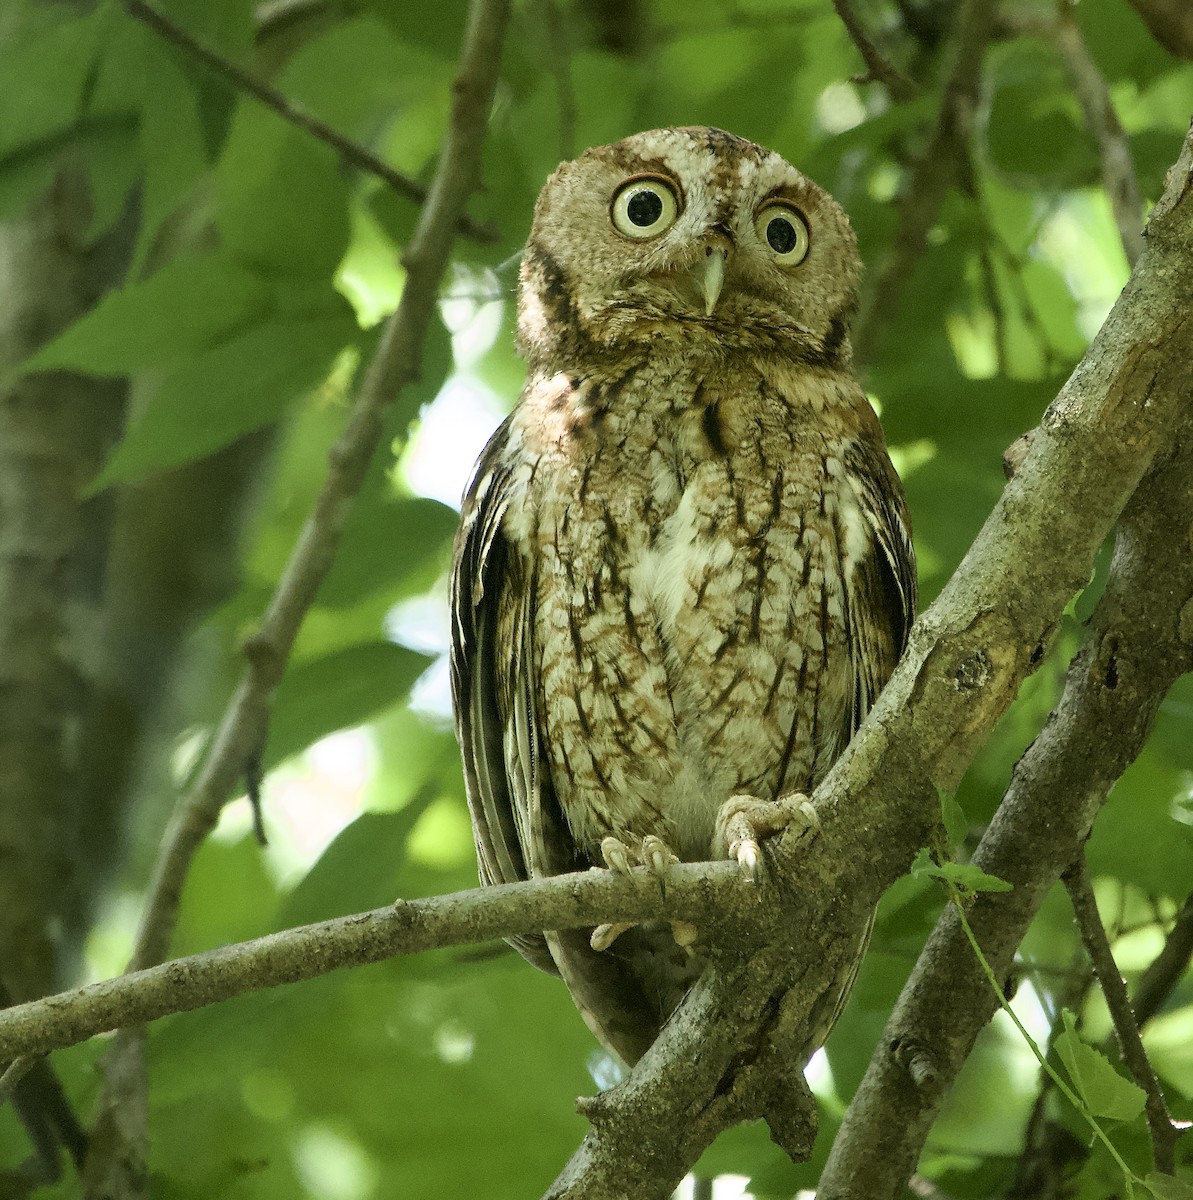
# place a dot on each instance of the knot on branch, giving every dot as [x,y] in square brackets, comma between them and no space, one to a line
[917,1061]
[972,672]
[263,654]
[1185,622]
[594,1108]
[1014,455]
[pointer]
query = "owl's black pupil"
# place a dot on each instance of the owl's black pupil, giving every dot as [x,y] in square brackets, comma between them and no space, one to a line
[780,233]
[644,209]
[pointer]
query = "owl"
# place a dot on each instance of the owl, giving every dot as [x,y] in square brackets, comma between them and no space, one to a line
[684,567]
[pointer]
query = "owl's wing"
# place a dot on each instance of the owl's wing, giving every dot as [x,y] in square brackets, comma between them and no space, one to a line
[517,823]
[880,592]
[515,819]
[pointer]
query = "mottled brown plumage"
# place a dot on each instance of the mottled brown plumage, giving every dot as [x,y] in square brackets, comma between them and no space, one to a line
[684,568]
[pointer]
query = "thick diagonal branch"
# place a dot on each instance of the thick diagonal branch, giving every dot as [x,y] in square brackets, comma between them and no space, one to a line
[1138,645]
[729,1053]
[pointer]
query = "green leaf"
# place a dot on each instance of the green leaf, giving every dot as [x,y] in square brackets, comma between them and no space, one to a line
[338,690]
[44,75]
[358,870]
[387,74]
[283,197]
[390,542]
[965,877]
[187,306]
[1168,1187]
[115,166]
[226,392]
[1035,133]
[172,143]
[956,823]
[1103,1090]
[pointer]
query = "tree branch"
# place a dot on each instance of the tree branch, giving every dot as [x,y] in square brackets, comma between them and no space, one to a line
[13,1073]
[1170,23]
[711,895]
[396,363]
[1093,94]
[350,151]
[879,68]
[733,1049]
[932,175]
[1156,983]
[1139,357]
[1097,946]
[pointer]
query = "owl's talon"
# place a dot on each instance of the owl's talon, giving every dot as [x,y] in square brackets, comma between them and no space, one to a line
[651,852]
[657,856]
[603,936]
[744,820]
[616,855]
[749,857]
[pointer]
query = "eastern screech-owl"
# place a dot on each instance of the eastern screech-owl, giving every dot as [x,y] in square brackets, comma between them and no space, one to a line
[684,569]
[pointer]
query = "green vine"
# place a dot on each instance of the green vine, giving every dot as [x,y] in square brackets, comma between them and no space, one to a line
[1091,1071]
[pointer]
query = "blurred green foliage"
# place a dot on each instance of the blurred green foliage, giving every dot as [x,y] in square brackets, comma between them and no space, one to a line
[261,268]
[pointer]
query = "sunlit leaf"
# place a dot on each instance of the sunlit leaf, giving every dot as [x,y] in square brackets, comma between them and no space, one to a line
[965,877]
[340,689]
[190,304]
[1104,1091]
[228,391]
[1168,1187]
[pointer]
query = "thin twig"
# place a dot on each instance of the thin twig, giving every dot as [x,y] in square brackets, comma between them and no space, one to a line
[1114,151]
[396,364]
[1045,1066]
[1039,1165]
[1089,84]
[1170,23]
[1097,946]
[932,175]
[559,64]
[352,152]
[879,68]
[1156,983]
[707,894]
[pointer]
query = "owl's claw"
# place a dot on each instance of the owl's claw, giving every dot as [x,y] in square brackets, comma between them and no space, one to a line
[652,853]
[603,936]
[744,820]
[656,856]
[616,855]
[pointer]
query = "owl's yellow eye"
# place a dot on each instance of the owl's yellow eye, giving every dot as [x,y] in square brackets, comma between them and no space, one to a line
[644,208]
[785,231]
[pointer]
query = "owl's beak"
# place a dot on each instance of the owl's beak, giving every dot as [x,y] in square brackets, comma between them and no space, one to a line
[713,277]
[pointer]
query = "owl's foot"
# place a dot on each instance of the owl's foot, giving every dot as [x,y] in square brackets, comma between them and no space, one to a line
[656,856]
[744,820]
[651,852]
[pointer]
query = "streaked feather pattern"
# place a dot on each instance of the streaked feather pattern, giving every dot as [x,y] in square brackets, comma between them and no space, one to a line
[684,569]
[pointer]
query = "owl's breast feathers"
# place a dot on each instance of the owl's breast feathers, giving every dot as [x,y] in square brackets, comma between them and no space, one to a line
[674,587]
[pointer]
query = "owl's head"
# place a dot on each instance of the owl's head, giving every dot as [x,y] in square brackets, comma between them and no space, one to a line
[689,236]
